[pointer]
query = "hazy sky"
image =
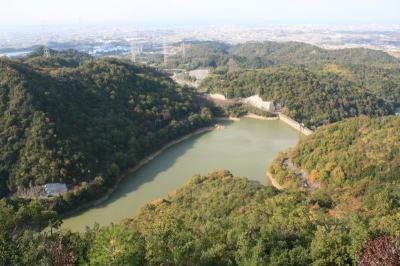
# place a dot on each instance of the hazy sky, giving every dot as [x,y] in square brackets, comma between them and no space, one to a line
[283,11]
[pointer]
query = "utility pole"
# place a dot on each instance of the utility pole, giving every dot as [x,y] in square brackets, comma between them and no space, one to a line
[133,52]
[183,50]
[134,47]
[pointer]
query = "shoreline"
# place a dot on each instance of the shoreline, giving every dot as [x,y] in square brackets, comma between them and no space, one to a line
[230,118]
[143,162]
[259,117]
[273,181]
[250,115]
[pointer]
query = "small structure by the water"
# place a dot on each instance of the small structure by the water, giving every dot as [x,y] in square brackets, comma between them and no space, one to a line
[55,189]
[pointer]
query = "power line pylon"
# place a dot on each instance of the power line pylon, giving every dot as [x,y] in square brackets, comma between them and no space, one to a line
[46,51]
[133,52]
[165,52]
[183,49]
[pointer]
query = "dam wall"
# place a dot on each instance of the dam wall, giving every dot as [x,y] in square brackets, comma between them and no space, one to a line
[258,102]
[294,124]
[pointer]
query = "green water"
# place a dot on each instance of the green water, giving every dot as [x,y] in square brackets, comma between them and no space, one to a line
[245,148]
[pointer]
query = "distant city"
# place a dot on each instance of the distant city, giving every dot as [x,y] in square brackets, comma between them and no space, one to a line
[106,41]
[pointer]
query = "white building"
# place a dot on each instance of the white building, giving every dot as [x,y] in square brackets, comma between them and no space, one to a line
[55,189]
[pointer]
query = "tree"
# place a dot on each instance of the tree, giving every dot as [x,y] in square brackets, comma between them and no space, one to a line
[115,245]
[329,247]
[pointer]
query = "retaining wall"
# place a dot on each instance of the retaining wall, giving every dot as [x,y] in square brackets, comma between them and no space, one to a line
[294,124]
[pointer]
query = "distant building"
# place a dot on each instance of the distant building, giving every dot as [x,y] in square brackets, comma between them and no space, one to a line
[55,189]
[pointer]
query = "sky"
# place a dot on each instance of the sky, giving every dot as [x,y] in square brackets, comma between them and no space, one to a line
[36,12]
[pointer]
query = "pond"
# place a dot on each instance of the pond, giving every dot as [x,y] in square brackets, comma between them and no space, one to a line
[245,148]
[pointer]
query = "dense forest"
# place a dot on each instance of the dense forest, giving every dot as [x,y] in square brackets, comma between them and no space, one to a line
[253,55]
[359,154]
[84,125]
[202,54]
[311,97]
[348,214]
[264,54]
[351,171]
[57,59]
[383,81]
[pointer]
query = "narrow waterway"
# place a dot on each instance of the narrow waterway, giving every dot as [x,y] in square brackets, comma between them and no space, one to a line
[245,148]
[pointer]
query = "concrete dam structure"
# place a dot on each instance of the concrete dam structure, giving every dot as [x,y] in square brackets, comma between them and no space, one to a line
[296,125]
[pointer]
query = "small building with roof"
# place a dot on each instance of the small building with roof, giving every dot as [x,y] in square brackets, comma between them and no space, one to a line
[55,189]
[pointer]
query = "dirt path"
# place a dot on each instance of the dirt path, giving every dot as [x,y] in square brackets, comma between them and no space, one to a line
[273,181]
[259,117]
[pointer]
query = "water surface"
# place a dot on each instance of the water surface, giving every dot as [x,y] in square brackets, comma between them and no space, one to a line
[245,148]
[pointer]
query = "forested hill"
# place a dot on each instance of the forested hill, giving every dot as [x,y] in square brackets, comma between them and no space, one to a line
[203,54]
[375,72]
[312,97]
[85,125]
[354,165]
[266,54]
[296,53]
[57,59]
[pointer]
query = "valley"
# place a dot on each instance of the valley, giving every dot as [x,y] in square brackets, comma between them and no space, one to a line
[153,172]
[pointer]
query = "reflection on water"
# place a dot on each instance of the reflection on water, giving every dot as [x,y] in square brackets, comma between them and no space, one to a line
[245,148]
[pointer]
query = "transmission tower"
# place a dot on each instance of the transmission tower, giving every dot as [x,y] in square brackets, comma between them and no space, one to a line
[183,50]
[46,51]
[136,46]
[44,32]
[165,52]
[133,52]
